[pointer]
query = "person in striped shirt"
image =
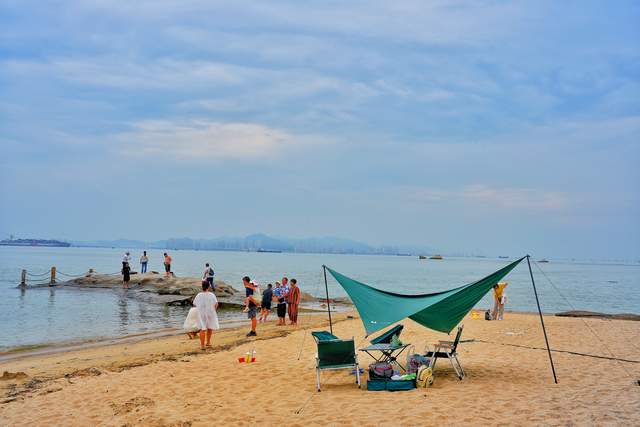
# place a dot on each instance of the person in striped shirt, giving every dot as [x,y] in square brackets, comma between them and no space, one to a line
[293,299]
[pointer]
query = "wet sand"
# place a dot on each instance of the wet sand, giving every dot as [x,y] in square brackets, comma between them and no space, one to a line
[168,381]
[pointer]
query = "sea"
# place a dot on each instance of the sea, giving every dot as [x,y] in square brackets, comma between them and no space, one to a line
[56,315]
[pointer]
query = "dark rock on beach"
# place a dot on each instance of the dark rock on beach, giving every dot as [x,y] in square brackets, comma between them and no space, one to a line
[593,314]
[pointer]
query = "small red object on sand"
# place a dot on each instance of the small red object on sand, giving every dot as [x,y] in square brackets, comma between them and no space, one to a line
[241,359]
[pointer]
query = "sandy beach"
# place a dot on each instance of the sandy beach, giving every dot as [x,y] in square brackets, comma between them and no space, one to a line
[167,381]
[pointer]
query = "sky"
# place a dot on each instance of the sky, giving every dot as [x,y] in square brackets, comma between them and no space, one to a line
[483,126]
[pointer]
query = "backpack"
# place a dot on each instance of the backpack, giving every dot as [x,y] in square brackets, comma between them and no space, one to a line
[380,370]
[424,377]
[211,272]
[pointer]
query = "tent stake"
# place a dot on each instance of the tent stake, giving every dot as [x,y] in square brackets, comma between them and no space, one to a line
[544,330]
[326,288]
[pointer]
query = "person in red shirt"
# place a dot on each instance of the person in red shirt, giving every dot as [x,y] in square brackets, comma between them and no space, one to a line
[293,299]
[167,265]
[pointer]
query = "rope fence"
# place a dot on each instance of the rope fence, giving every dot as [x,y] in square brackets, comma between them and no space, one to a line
[37,279]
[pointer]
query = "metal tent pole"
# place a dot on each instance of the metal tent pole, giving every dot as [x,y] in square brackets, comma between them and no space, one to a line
[544,330]
[326,288]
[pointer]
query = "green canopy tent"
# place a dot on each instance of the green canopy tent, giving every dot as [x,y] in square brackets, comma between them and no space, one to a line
[440,311]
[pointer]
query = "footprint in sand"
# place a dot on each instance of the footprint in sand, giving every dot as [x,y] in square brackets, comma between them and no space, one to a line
[131,405]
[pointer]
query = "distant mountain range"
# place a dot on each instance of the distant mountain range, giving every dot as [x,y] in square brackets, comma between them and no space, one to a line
[260,242]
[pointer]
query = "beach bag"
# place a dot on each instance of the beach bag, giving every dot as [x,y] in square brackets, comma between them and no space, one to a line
[415,361]
[424,377]
[380,370]
[487,315]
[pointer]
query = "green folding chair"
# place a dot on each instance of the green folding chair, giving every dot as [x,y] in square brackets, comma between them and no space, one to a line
[388,336]
[336,354]
[323,336]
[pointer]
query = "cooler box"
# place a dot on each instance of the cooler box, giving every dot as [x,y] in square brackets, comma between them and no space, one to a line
[390,385]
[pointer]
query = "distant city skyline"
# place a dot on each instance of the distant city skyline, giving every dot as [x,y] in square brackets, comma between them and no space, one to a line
[475,127]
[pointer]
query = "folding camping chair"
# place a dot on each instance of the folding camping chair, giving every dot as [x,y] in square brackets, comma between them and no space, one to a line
[334,353]
[447,349]
[382,344]
[388,336]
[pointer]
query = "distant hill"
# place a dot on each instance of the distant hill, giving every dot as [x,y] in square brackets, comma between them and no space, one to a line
[255,242]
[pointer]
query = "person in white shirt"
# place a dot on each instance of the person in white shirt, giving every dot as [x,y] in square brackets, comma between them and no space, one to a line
[207,304]
[144,260]
[126,258]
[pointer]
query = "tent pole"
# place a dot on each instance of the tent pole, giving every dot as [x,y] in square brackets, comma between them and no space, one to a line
[544,330]
[326,288]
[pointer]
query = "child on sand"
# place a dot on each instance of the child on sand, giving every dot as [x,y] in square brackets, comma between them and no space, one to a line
[265,309]
[249,290]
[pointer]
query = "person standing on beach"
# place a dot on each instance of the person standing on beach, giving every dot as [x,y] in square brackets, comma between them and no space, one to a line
[207,304]
[282,289]
[144,259]
[207,276]
[252,305]
[499,299]
[265,306]
[167,265]
[293,299]
[126,271]
[126,258]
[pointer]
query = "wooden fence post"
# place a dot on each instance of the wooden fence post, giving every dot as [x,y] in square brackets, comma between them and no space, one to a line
[53,276]
[23,278]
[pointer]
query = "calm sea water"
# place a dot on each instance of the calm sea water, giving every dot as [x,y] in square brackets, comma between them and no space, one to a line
[38,316]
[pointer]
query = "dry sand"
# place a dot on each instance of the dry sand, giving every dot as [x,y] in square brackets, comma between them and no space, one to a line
[168,382]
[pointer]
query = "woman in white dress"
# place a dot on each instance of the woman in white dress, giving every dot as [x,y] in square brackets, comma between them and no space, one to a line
[207,320]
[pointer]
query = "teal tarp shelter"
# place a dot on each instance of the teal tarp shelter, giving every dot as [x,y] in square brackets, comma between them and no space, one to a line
[440,311]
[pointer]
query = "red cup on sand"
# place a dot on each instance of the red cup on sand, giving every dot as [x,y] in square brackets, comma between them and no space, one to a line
[241,359]
[253,359]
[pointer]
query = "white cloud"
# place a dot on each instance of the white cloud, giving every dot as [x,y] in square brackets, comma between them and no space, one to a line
[122,73]
[486,196]
[196,140]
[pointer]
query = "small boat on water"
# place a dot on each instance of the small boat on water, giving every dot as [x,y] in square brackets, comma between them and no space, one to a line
[503,257]
[422,257]
[435,257]
[543,260]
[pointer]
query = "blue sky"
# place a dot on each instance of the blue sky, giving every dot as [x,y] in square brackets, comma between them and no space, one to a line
[487,126]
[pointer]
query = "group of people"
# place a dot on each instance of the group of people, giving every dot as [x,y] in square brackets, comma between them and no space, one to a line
[144,261]
[286,295]
[202,318]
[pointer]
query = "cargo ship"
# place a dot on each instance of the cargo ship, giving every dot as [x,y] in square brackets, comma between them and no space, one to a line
[34,242]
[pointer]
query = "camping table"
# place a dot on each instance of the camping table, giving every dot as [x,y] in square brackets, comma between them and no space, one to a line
[388,353]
